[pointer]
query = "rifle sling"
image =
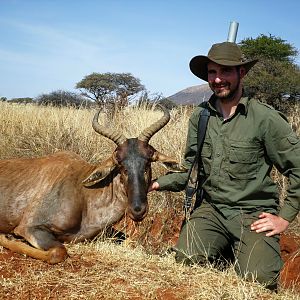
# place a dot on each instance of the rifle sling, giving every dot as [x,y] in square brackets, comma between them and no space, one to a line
[194,183]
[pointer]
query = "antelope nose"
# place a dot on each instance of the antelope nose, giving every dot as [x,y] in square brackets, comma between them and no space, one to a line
[138,212]
[137,208]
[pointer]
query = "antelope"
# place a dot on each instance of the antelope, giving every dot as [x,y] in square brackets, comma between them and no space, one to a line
[60,198]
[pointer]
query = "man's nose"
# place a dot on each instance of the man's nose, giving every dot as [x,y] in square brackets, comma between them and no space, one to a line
[217,79]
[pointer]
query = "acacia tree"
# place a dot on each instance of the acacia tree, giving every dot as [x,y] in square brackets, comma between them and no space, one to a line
[276,74]
[110,88]
[62,98]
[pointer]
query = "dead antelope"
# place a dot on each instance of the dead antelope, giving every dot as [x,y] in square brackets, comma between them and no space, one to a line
[61,198]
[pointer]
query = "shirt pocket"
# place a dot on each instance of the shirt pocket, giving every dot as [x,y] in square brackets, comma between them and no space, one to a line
[243,162]
[293,139]
[206,156]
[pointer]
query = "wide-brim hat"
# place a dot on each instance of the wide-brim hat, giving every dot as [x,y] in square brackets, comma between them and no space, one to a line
[226,54]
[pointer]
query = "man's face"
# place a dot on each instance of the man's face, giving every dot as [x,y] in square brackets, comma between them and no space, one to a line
[224,81]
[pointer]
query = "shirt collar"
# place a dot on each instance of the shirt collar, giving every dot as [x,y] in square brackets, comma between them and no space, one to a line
[242,106]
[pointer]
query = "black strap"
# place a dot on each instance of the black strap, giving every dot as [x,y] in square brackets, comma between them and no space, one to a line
[195,181]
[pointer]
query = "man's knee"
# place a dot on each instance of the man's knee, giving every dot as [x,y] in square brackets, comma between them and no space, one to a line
[268,277]
[260,261]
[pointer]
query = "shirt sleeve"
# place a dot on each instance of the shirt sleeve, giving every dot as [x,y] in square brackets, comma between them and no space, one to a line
[177,181]
[283,148]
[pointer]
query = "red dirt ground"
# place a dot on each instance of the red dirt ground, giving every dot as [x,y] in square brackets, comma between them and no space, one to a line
[290,251]
[164,229]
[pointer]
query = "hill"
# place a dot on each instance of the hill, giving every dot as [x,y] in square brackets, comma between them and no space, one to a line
[192,95]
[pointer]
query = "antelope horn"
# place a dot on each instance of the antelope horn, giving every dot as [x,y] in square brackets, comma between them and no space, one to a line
[116,137]
[147,133]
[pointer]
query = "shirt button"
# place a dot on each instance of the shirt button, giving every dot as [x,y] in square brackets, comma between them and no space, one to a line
[218,154]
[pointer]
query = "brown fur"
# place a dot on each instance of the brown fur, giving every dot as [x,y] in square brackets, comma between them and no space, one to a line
[47,194]
[62,198]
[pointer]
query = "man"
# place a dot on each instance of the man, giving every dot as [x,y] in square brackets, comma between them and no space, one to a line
[244,140]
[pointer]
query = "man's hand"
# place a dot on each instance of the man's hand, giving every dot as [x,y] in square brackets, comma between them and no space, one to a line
[154,186]
[270,223]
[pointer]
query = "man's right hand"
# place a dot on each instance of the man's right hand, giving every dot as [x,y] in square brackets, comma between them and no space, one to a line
[154,186]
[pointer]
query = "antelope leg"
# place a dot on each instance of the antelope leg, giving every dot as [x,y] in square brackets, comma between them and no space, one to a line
[51,256]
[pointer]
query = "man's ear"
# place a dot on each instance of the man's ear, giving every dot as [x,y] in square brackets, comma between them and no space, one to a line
[242,71]
[168,162]
[101,172]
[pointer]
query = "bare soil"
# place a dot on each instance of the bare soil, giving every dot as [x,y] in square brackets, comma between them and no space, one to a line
[14,265]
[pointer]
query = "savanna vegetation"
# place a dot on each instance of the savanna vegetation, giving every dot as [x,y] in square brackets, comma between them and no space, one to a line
[140,267]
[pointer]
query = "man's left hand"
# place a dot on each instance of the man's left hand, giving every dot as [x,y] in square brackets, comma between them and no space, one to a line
[270,223]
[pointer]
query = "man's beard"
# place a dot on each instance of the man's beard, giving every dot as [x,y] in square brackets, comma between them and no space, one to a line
[227,93]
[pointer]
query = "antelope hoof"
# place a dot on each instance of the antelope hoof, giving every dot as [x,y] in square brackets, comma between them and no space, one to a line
[57,255]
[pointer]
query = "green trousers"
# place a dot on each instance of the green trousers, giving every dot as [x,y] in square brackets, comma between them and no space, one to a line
[210,237]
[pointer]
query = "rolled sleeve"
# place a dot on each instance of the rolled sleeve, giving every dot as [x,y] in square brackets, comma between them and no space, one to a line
[283,147]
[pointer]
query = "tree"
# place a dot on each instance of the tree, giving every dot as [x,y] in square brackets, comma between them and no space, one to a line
[26,100]
[126,86]
[110,88]
[63,98]
[269,47]
[275,75]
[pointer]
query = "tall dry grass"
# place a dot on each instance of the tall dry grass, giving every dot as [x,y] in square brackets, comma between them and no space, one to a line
[33,131]
[27,130]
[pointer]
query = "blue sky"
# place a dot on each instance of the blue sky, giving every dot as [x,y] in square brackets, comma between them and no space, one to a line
[49,45]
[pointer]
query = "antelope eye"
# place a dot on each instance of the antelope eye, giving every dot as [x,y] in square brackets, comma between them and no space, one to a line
[125,172]
[148,166]
[118,157]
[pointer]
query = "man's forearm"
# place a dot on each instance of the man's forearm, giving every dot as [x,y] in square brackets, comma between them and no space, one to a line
[174,182]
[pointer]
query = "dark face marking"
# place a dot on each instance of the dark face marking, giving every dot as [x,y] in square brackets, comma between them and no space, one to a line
[134,158]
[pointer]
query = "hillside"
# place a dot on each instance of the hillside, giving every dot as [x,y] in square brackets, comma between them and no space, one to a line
[192,95]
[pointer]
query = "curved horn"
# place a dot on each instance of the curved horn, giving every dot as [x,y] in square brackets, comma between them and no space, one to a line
[116,137]
[147,133]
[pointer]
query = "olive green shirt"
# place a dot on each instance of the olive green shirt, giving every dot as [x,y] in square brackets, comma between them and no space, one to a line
[238,155]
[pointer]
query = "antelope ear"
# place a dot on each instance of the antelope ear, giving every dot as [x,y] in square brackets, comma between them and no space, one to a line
[101,172]
[168,162]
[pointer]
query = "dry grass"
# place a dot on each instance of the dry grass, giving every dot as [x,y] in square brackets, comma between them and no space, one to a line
[139,269]
[102,270]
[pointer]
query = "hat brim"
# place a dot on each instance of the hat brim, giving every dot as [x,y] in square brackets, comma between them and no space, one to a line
[198,65]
